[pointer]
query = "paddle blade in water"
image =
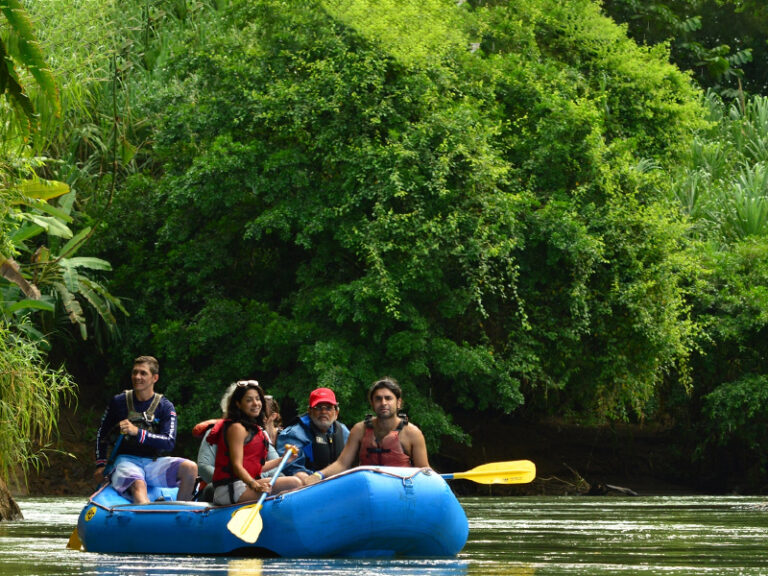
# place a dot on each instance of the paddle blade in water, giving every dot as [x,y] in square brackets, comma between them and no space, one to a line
[74,541]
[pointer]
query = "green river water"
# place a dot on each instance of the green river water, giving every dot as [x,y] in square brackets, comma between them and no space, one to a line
[523,536]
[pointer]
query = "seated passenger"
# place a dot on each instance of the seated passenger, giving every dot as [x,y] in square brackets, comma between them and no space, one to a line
[317,434]
[146,423]
[206,454]
[241,448]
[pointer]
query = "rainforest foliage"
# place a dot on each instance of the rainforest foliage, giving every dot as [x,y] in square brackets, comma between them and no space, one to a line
[514,208]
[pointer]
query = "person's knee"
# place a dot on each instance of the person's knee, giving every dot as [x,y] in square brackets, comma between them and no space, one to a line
[187,468]
[137,485]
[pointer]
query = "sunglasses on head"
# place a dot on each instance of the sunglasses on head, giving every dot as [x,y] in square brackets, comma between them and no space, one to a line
[247,383]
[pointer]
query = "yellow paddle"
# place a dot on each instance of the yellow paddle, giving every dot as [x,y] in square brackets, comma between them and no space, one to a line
[512,472]
[246,522]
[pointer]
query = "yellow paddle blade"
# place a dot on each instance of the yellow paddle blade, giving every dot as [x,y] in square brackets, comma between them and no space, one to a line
[246,523]
[74,541]
[513,472]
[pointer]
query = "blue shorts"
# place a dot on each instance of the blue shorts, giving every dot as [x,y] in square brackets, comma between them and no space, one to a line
[161,472]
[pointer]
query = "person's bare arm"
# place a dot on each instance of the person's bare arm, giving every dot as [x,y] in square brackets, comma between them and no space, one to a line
[346,458]
[417,446]
[236,434]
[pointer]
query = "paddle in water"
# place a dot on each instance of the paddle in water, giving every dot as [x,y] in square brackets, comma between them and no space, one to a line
[512,472]
[246,522]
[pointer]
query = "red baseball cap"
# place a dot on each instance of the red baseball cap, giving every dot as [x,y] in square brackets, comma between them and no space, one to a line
[320,395]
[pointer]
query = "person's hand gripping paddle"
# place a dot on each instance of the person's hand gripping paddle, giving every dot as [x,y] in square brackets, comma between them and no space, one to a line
[246,522]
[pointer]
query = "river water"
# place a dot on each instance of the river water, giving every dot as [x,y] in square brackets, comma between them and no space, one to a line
[521,536]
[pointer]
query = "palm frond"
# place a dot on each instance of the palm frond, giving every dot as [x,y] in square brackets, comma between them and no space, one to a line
[24,48]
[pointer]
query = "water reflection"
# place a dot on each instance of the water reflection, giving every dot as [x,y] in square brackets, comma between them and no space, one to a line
[111,565]
[245,567]
[574,536]
[503,569]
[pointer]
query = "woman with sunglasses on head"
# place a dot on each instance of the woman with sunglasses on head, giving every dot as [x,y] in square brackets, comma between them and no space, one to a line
[242,445]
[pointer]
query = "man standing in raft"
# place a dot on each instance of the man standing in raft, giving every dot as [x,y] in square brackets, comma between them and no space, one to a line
[386,439]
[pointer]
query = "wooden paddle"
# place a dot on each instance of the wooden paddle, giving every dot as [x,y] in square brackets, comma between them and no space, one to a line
[512,472]
[74,542]
[246,522]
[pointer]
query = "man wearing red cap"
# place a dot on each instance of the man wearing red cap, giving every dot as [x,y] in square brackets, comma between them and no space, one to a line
[318,435]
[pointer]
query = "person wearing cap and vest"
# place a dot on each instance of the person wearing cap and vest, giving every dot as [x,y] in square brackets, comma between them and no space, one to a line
[318,435]
[146,424]
[384,439]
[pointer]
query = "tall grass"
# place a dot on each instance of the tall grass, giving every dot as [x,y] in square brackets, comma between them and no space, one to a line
[31,394]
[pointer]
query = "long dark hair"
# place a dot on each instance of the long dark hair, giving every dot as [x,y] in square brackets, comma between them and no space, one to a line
[233,411]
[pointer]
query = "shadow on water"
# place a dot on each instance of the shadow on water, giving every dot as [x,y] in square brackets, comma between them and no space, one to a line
[523,536]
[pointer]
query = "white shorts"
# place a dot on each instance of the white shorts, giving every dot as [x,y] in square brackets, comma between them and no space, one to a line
[161,472]
[228,493]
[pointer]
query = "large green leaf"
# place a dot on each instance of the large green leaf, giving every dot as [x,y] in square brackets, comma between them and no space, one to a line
[75,242]
[72,307]
[87,262]
[70,277]
[28,304]
[25,232]
[54,211]
[43,189]
[100,304]
[52,225]
[9,83]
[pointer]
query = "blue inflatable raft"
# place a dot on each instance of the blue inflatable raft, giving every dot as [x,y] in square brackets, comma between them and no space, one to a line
[366,512]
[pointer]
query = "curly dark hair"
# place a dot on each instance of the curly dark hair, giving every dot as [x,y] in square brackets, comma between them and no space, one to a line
[388,383]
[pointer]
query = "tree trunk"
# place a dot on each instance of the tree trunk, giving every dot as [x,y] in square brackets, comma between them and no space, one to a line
[9,510]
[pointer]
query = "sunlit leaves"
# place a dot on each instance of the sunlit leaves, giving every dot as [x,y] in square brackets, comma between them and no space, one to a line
[19,48]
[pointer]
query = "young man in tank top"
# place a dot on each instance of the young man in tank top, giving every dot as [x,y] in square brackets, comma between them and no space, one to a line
[386,439]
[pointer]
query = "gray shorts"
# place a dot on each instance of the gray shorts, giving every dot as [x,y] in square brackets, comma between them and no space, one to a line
[228,493]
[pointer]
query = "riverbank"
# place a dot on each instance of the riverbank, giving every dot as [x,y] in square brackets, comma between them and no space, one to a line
[570,459]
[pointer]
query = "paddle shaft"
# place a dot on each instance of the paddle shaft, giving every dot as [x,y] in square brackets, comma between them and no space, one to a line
[272,480]
[241,528]
[113,456]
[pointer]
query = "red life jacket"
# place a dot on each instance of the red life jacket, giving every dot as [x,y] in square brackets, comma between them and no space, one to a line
[254,453]
[388,452]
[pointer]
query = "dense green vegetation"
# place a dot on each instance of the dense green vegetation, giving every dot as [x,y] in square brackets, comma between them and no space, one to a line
[513,208]
[722,42]
[30,391]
